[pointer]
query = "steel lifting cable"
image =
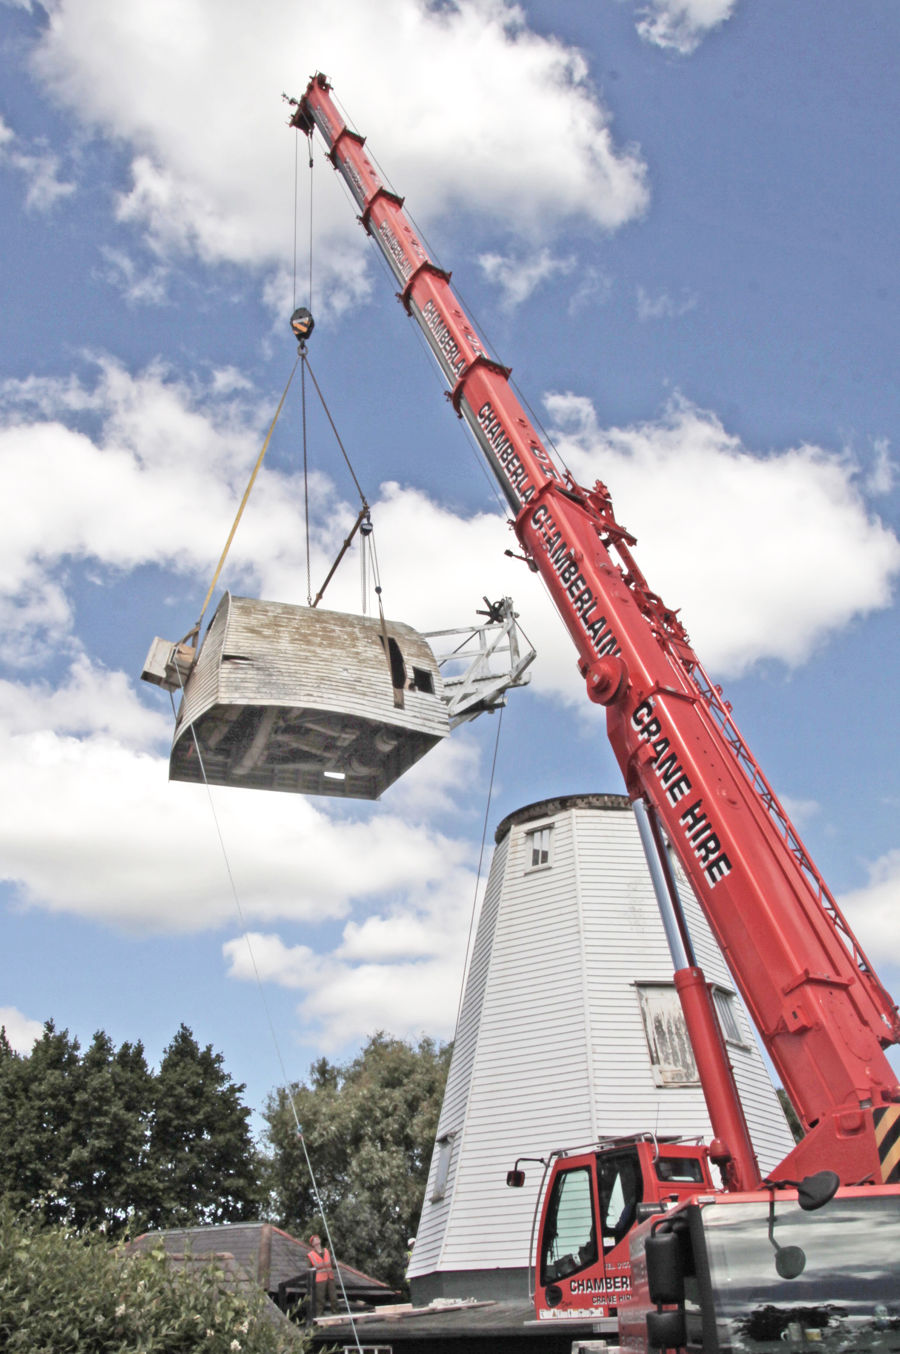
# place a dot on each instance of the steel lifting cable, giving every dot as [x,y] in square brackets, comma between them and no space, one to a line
[364,511]
[484,829]
[311,165]
[303,434]
[363,521]
[296,184]
[271,1023]
[311,185]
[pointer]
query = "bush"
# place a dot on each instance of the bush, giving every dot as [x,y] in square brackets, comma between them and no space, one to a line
[67,1294]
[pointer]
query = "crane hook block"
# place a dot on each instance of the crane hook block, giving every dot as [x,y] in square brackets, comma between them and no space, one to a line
[302,323]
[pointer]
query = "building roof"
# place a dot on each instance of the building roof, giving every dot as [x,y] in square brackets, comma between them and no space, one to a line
[546,808]
[268,1254]
[233,1277]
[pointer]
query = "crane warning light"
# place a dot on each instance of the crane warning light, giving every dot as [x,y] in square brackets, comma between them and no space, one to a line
[302,323]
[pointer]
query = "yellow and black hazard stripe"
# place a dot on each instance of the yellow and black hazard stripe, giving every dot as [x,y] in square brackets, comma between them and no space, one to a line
[887,1137]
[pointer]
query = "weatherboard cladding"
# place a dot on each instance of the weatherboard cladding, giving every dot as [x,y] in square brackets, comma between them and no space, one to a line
[551,1049]
[319,686]
[434,1221]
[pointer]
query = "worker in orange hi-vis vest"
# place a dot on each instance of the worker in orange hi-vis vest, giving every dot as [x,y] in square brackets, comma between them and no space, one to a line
[323,1288]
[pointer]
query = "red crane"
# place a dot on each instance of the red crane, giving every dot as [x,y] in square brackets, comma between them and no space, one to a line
[820,1009]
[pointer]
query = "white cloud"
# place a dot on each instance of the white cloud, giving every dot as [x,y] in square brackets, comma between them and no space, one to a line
[38,165]
[594,287]
[663,306]
[400,972]
[800,811]
[681,25]
[197,100]
[140,287]
[435,783]
[872,910]
[45,188]
[20,1031]
[86,815]
[227,380]
[159,481]
[882,473]
[347,1003]
[765,555]
[519,276]
[90,700]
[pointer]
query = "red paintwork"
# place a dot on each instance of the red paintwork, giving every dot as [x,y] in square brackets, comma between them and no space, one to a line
[821,1011]
[598,1290]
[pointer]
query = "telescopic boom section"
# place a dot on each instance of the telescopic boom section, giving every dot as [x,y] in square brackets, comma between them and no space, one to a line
[820,1009]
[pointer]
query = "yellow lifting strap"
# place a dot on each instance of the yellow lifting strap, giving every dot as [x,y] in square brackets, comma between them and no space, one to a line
[240,512]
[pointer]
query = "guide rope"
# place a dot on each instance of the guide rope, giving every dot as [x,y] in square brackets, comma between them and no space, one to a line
[192,634]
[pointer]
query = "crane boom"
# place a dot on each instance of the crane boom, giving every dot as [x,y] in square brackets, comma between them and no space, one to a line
[821,1011]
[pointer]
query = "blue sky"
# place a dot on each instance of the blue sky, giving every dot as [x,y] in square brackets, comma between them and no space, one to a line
[676,220]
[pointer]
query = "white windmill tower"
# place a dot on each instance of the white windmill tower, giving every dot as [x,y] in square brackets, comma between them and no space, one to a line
[570,1030]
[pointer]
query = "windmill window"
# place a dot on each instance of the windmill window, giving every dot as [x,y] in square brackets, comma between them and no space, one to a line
[725,1004]
[422,680]
[671,1055]
[444,1147]
[537,848]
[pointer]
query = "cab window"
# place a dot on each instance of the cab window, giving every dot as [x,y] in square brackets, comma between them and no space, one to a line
[679,1170]
[621,1190]
[570,1234]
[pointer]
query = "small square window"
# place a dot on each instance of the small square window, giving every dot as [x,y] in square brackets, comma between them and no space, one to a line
[422,680]
[537,847]
[726,1010]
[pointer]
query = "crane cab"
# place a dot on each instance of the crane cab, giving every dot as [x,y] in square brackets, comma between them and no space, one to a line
[592,1202]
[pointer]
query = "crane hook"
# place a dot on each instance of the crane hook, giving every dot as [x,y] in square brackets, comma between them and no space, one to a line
[302,325]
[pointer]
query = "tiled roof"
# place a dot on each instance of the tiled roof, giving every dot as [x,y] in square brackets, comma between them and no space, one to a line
[268,1254]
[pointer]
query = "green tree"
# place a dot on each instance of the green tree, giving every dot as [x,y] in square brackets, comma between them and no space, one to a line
[69,1294]
[99,1139]
[203,1166]
[39,1133]
[369,1128]
[790,1114]
[106,1173]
